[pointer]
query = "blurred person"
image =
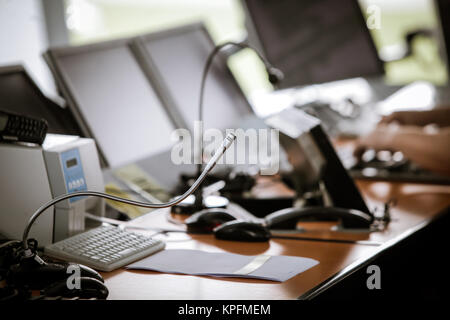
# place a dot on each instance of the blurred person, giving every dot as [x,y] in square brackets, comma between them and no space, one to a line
[422,136]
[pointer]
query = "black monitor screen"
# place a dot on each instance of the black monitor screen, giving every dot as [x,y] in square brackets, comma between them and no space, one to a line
[20,95]
[314,41]
[115,101]
[444,15]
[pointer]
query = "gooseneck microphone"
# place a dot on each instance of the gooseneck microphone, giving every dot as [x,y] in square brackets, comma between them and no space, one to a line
[274,76]
[229,139]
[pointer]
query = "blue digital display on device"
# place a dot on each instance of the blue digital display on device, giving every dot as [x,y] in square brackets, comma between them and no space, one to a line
[73,172]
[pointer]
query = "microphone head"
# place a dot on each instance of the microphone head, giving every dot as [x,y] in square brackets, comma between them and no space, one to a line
[275,75]
[229,139]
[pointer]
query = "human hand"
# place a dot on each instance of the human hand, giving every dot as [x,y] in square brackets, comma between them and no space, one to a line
[378,139]
[403,118]
[383,137]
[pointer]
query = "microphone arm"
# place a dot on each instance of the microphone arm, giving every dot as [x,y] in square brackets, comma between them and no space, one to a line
[274,76]
[229,139]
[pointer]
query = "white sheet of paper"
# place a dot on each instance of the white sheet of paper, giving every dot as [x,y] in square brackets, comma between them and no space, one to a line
[196,262]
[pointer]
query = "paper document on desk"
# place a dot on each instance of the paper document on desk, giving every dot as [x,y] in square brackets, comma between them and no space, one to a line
[201,263]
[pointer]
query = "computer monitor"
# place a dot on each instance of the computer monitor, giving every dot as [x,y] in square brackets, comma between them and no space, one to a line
[313,41]
[314,159]
[175,59]
[113,100]
[19,94]
[443,7]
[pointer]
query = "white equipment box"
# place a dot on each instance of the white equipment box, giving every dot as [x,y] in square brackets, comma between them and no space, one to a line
[32,175]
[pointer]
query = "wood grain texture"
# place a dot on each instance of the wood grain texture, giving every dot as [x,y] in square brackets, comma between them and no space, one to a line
[415,204]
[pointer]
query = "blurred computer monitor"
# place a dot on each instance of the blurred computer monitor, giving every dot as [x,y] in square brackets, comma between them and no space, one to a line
[313,41]
[175,60]
[19,94]
[113,100]
[443,7]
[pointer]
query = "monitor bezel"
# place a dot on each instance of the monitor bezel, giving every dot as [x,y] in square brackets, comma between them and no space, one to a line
[443,31]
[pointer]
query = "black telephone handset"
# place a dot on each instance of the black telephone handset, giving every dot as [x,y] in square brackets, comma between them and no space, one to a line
[288,218]
[15,127]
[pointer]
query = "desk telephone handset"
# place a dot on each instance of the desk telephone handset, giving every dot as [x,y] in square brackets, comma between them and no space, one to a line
[288,218]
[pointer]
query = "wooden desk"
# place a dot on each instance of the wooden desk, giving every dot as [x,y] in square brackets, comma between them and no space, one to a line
[417,205]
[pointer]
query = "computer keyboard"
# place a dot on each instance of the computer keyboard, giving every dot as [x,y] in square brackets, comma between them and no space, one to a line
[105,248]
